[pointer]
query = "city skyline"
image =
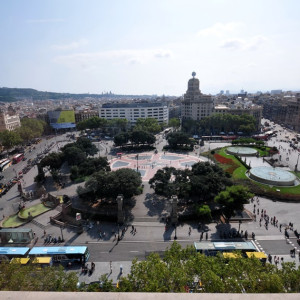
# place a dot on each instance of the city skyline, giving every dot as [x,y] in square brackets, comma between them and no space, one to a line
[133,47]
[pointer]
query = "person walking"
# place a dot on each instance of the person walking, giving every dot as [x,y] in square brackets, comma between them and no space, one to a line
[121,269]
[110,267]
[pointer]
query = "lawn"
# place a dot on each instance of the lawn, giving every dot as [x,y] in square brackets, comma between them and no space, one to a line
[34,210]
[13,221]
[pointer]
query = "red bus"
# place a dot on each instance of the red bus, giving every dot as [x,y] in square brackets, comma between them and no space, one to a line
[17,158]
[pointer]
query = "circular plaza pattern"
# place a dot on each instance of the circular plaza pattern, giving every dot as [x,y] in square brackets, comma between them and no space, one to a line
[272,176]
[147,164]
[241,151]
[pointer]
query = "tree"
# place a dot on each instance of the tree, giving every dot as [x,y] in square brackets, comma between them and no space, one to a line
[175,123]
[204,213]
[110,184]
[9,139]
[86,146]
[32,278]
[53,160]
[149,124]
[233,199]
[74,155]
[208,180]
[177,139]
[121,139]
[92,123]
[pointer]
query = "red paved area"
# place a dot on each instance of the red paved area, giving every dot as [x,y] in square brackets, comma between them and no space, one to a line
[148,163]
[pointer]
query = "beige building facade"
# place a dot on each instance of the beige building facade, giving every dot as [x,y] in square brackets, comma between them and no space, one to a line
[196,105]
[9,122]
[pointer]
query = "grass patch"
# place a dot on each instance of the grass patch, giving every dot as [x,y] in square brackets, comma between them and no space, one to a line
[13,221]
[34,210]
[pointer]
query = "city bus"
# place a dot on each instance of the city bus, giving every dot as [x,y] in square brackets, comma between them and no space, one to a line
[212,248]
[6,164]
[67,254]
[17,158]
[8,253]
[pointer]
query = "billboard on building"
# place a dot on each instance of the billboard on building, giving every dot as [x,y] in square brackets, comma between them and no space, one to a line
[62,119]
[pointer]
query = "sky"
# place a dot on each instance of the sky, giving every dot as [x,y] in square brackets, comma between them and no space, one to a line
[149,46]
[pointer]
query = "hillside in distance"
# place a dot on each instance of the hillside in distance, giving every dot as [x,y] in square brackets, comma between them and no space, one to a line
[16,94]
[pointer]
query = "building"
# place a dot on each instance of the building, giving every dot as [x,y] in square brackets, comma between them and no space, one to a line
[84,115]
[134,111]
[9,122]
[196,105]
[61,119]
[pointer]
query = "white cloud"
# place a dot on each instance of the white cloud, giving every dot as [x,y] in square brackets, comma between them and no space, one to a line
[252,43]
[71,46]
[130,56]
[220,29]
[45,20]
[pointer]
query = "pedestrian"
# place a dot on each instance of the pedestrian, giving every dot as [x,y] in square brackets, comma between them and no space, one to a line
[110,266]
[190,230]
[135,231]
[121,269]
[206,235]
[280,227]
[282,259]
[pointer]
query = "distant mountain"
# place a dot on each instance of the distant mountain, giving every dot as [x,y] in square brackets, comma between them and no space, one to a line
[15,94]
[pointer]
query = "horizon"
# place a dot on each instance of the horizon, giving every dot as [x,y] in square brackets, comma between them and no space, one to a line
[133,48]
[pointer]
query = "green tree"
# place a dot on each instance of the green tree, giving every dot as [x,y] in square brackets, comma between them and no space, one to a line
[175,123]
[92,123]
[204,213]
[74,155]
[121,139]
[233,199]
[177,139]
[9,139]
[149,124]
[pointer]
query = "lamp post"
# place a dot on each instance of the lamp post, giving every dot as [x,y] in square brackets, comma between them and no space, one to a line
[296,167]
[62,236]
[240,222]
[175,236]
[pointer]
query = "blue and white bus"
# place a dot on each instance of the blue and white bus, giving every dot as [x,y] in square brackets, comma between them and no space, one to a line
[67,254]
[8,253]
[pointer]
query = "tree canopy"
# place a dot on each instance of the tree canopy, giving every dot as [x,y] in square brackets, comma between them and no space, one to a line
[179,139]
[110,184]
[184,270]
[233,199]
[9,139]
[148,124]
[204,181]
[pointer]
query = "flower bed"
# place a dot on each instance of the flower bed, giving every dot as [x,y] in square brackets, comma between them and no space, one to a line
[232,166]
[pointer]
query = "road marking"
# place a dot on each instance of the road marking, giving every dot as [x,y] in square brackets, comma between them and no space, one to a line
[106,252]
[134,251]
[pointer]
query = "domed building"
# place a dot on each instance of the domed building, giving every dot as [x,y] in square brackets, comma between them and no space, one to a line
[196,105]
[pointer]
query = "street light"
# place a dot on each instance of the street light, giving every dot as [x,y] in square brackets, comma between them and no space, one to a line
[137,162]
[62,236]
[296,167]
[175,236]
[240,222]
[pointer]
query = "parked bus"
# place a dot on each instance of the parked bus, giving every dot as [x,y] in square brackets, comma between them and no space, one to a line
[212,248]
[78,254]
[17,158]
[6,164]
[8,253]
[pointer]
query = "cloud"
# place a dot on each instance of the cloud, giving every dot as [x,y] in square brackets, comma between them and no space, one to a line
[71,46]
[252,43]
[45,20]
[129,56]
[220,29]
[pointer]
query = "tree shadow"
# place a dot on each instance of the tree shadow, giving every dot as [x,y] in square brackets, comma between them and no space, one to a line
[156,205]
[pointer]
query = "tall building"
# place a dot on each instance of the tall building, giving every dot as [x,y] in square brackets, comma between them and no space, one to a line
[196,105]
[9,121]
[134,111]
